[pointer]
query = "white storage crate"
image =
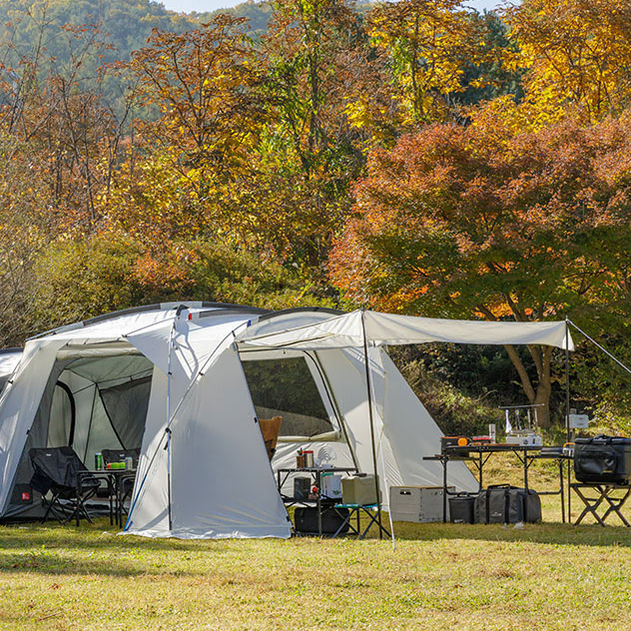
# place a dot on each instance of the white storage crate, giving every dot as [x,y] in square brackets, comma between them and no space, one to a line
[420,504]
[331,486]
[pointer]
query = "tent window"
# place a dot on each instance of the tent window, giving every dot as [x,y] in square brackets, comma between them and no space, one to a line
[126,406]
[285,387]
[61,430]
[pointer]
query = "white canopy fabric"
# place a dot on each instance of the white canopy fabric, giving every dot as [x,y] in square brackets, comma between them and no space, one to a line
[214,480]
[221,484]
[347,330]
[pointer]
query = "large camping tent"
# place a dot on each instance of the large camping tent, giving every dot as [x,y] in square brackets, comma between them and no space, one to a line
[185,384]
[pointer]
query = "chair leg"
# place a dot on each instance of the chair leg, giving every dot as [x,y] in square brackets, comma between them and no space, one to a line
[80,508]
[56,509]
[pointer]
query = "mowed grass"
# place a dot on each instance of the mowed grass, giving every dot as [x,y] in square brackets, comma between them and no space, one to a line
[438,576]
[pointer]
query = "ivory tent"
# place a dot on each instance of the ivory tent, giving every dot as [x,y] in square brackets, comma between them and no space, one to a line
[9,359]
[186,384]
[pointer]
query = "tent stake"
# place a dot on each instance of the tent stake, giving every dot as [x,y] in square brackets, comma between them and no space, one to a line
[372,423]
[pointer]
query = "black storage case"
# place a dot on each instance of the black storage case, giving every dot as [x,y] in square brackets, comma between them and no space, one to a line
[306,520]
[302,488]
[505,504]
[455,445]
[461,508]
[602,459]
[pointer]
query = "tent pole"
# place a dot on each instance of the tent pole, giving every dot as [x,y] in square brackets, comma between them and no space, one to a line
[567,378]
[168,427]
[372,423]
[567,418]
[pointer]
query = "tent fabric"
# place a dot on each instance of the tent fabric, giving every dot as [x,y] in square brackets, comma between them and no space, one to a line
[171,377]
[130,398]
[390,329]
[9,360]
[213,492]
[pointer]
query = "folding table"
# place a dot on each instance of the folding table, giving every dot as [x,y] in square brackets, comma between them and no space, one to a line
[371,510]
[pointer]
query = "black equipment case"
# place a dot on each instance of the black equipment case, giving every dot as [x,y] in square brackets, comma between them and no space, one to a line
[461,508]
[306,520]
[602,459]
[505,504]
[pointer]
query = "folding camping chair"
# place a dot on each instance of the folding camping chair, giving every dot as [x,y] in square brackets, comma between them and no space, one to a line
[270,428]
[56,469]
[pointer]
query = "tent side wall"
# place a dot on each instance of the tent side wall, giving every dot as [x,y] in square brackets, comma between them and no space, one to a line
[19,404]
[404,430]
[223,485]
[413,433]
[214,479]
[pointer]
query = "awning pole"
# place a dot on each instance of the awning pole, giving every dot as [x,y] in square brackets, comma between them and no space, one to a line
[372,423]
[567,379]
[168,427]
[567,422]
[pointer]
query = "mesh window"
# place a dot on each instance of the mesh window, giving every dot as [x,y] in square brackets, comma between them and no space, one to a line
[285,387]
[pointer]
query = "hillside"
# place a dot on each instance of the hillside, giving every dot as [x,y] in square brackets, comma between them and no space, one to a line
[54,27]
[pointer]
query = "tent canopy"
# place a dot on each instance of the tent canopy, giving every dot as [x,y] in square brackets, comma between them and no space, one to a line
[383,329]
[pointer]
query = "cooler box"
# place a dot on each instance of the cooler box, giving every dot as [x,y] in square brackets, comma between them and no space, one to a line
[420,504]
[359,489]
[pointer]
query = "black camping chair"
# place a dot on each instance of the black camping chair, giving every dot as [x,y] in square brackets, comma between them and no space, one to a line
[57,469]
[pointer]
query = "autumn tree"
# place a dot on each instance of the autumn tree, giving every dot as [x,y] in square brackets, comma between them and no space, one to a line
[316,61]
[429,45]
[488,222]
[576,54]
[60,114]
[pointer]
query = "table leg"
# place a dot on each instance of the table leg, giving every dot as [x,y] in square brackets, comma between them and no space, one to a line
[562,491]
[444,463]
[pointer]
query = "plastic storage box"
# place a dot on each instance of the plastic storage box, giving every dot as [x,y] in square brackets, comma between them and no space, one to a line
[360,490]
[420,504]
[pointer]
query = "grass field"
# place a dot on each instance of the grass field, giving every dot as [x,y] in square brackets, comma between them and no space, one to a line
[544,576]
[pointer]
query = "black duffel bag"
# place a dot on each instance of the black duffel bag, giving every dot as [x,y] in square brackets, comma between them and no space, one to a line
[333,520]
[506,504]
[602,459]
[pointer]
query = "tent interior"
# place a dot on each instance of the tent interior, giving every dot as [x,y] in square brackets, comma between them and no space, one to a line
[92,401]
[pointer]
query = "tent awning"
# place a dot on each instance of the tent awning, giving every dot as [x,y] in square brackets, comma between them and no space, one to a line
[346,330]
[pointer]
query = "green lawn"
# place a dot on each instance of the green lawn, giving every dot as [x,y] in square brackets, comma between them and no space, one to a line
[546,576]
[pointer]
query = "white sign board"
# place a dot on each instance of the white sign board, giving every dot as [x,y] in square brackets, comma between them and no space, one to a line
[579,421]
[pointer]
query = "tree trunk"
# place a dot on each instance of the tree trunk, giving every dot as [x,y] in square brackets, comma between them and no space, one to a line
[539,396]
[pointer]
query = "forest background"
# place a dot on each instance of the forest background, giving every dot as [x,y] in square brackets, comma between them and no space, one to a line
[414,157]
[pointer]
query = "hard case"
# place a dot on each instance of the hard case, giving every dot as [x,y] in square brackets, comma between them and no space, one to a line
[602,459]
